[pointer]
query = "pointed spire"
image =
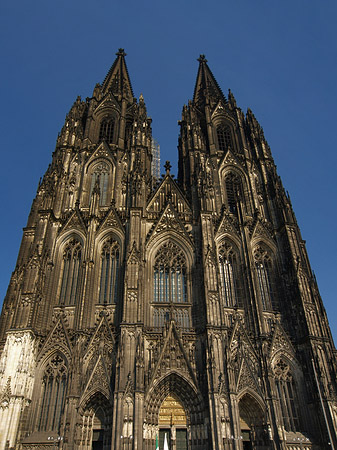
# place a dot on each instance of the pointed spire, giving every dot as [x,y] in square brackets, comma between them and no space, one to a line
[206,85]
[117,79]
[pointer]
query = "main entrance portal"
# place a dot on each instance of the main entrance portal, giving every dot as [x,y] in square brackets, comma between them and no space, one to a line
[172,424]
[253,424]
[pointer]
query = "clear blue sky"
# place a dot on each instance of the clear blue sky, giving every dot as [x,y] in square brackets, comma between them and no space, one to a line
[278,58]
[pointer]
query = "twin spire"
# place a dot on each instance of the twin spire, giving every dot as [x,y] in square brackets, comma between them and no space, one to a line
[118,81]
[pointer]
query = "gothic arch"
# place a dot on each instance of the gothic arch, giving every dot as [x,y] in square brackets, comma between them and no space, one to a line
[169,267]
[179,240]
[106,234]
[266,274]
[175,384]
[71,243]
[223,132]
[94,418]
[50,389]
[288,386]
[231,279]
[100,170]
[233,176]
[226,236]
[107,110]
[267,243]
[55,343]
[253,420]
[249,392]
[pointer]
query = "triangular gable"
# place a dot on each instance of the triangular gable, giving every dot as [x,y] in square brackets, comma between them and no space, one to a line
[219,109]
[75,222]
[169,221]
[102,151]
[173,357]
[280,343]
[229,159]
[134,255]
[261,231]
[109,102]
[247,378]
[227,225]
[102,337]
[99,379]
[240,342]
[168,186]
[58,339]
[111,220]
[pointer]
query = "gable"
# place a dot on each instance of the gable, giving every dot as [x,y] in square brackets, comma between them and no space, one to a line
[168,191]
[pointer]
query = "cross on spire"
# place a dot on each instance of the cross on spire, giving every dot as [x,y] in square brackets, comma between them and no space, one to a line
[202,58]
[121,52]
[167,166]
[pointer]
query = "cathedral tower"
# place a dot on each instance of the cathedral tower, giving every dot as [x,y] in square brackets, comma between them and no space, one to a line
[144,310]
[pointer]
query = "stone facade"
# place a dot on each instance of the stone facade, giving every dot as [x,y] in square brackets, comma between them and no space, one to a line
[180,309]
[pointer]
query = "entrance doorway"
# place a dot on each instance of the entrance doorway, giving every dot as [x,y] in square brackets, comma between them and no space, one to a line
[97,440]
[253,424]
[172,422]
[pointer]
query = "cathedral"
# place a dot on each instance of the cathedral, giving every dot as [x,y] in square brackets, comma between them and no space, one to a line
[150,311]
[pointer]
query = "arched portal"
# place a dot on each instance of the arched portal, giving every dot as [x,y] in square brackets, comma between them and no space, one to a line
[95,423]
[172,422]
[174,407]
[253,425]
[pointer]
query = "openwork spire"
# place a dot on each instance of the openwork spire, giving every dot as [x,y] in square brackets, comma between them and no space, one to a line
[117,80]
[206,86]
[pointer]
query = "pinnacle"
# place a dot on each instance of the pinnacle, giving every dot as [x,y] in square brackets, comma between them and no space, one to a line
[117,80]
[206,86]
[121,52]
[202,59]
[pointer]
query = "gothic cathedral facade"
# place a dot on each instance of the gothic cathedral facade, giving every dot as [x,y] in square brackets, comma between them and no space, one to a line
[179,313]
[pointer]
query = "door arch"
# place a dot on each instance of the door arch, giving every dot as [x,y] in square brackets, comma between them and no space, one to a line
[172,421]
[180,397]
[253,424]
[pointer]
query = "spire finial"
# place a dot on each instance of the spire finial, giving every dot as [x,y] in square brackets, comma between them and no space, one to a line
[202,59]
[167,167]
[121,52]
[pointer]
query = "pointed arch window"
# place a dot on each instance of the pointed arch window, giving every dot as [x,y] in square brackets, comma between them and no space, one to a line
[287,394]
[110,262]
[229,274]
[170,287]
[233,191]
[224,136]
[54,385]
[170,275]
[265,277]
[106,131]
[72,257]
[100,175]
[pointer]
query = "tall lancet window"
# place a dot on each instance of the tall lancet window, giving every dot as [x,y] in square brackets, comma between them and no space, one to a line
[72,257]
[100,174]
[110,261]
[170,275]
[170,287]
[233,191]
[54,385]
[224,136]
[287,394]
[265,277]
[106,130]
[229,274]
